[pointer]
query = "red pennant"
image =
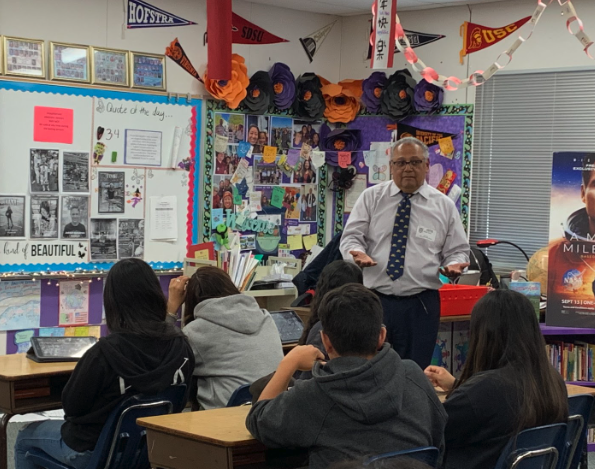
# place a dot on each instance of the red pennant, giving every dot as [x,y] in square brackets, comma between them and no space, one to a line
[244,32]
[219,31]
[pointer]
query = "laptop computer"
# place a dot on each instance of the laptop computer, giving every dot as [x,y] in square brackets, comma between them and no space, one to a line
[289,324]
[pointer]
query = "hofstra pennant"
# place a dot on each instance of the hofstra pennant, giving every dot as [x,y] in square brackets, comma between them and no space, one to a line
[140,14]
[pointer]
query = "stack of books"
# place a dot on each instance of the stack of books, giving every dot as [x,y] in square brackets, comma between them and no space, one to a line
[573,360]
[241,266]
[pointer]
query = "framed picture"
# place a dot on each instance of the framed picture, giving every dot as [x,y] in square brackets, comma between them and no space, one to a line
[147,71]
[24,57]
[109,67]
[70,62]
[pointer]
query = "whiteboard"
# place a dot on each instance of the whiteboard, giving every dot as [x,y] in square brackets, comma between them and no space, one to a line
[145,138]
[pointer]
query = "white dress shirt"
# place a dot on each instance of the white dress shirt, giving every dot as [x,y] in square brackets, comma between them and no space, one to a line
[436,237]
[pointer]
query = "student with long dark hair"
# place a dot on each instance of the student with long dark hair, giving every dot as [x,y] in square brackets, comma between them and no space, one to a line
[235,342]
[143,354]
[507,383]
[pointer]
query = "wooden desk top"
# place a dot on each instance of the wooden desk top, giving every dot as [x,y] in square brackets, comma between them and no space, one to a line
[18,366]
[223,427]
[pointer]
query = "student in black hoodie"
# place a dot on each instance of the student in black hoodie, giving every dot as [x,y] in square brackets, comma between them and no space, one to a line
[142,354]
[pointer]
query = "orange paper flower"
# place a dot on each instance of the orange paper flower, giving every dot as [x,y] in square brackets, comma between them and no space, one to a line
[342,100]
[232,91]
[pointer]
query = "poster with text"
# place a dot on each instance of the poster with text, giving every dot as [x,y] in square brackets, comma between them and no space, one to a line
[12,216]
[571,260]
[74,303]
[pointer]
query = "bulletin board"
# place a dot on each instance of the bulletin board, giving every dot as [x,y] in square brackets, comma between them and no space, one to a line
[298,210]
[450,172]
[90,176]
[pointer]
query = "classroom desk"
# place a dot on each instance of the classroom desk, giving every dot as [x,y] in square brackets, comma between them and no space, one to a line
[217,439]
[22,385]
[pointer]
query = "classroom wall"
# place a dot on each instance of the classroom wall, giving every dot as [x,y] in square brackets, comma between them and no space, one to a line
[551,46]
[99,23]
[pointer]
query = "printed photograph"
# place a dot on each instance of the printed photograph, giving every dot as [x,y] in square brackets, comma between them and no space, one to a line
[227,163]
[103,239]
[24,57]
[230,126]
[267,173]
[221,189]
[291,201]
[12,216]
[75,217]
[69,62]
[281,129]
[131,238]
[308,203]
[43,170]
[75,172]
[305,132]
[110,67]
[304,172]
[247,242]
[111,191]
[44,216]
[257,132]
[148,71]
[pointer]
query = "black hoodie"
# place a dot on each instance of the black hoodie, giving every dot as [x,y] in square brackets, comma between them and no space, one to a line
[147,365]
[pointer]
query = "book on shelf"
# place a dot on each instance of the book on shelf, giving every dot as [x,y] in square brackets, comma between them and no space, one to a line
[573,360]
[240,266]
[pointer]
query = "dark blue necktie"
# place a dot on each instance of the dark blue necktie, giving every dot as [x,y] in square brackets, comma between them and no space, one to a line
[398,243]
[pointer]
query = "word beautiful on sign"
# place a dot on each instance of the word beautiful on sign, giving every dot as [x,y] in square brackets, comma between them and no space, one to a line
[22,251]
[249,224]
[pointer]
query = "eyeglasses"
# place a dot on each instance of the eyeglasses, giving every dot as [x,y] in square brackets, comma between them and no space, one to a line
[401,163]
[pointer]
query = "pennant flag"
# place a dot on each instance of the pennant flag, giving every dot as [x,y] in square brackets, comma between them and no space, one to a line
[244,32]
[416,39]
[313,42]
[382,40]
[178,55]
[429,137]
[477,37]
[219,21]
[140,14]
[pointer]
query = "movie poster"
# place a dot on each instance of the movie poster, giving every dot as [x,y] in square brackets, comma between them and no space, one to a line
[571,260]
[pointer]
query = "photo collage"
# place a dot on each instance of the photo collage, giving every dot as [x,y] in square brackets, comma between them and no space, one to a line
[24,57]
[270,181]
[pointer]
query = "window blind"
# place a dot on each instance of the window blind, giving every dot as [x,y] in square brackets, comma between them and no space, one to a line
[520,121]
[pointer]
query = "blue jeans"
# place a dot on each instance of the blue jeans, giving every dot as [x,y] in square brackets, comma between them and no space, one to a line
[45,435]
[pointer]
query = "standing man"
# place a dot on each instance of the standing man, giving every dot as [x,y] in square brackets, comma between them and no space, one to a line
[403,233]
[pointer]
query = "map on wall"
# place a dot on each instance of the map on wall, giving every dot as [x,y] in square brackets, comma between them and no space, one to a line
[19,305]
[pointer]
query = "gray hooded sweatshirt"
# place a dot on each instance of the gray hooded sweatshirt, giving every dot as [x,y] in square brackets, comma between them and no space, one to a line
[235,342]
[351,408]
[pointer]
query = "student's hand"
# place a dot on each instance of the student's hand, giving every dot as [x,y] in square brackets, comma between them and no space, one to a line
[439,376]
[454,270]
[362,259]
[177,293]
[302,357]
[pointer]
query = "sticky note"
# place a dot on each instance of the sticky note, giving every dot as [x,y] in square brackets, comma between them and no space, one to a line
[344,158]
[269,154]
[216,217]
[23,336]
[318,158]
[69,331]
[295,242]
[293,156]
[310,241]
[81,331]
[220,143]
[237,198]
[53,125]
[95,331]
[446,147]
[277,196]
[243,149]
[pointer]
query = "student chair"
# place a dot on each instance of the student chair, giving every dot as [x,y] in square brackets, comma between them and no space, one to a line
[240,396]
[534,448]
[579,412]
[122,443]
[428,455]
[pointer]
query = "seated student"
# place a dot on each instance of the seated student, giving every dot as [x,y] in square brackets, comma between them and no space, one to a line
[507,383]
[364,401]
[142,354]
[235,342]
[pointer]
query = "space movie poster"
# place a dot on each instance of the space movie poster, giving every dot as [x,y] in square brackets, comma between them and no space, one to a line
[571,260]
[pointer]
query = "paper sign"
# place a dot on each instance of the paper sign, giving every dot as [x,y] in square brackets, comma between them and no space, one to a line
[360,182]
[53,124]
[142,148]
[446,147]
[344,158]
[244,149]
[95,331]
[293,156]
[237,198]
[23,336]
[310,241]
[69,331]
[255,201]
[318,158]
[299,229]
[220,143]
[203,254]
[370,157]
[277,196]
[164,218]
[295,242]
[269,154]
[216,217]
[241,172]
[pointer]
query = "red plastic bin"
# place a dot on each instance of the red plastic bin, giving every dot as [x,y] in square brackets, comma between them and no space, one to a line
[458,300]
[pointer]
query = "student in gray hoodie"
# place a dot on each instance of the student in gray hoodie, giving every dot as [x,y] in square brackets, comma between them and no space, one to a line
[234,341]
[364,401]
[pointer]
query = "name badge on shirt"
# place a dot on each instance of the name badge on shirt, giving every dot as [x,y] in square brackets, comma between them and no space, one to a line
[426,233]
